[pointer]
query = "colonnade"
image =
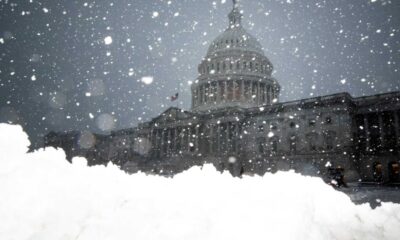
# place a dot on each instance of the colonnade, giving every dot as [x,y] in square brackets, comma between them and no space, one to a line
[234,90]
[225,66]
[201,139]
[380,130]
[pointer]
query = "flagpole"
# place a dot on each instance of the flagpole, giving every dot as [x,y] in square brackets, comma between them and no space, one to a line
[179,93]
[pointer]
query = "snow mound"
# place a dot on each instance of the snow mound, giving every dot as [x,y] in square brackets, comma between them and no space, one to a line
[44,197]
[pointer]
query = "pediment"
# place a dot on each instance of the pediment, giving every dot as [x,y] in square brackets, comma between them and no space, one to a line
[171,115]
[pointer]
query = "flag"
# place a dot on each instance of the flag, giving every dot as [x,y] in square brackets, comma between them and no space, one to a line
[174,97]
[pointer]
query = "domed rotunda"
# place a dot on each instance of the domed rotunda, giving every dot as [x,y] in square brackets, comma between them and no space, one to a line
[235,71]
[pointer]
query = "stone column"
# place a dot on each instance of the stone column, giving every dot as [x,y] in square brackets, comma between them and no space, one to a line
[225,90]
[167,141]
[182,136]
[162,143]
[265,94]
[381,132]
[189,138]
[196,99]
[366,128]
[175,150]
[242,92]
[155,142]
[271,95]
[218,138]
[205,93]
[210,137]
[218,92]
[150,138]
[202,93]
[258,93]
[234,137]
[228,143]
[397,128]
[197,139]
[158,142]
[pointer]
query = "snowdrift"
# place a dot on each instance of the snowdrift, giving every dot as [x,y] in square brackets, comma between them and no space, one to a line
[43,197]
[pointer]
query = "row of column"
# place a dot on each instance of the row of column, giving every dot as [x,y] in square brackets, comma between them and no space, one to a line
[239,90]
[223,139]
[205,140]
[381,127]
[171,141]
[224,66]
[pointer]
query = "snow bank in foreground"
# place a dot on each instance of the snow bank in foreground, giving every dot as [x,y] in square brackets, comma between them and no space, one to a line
[43,197]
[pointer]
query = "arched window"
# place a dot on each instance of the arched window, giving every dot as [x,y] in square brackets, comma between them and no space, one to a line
[377,172]
[394,171]
[330,137]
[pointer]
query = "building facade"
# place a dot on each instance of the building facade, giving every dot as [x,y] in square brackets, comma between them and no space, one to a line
[237,123]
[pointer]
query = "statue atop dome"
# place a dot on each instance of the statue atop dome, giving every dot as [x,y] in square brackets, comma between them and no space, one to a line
[235,17]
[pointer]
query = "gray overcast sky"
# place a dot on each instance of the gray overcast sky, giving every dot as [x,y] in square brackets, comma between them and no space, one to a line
[58,73]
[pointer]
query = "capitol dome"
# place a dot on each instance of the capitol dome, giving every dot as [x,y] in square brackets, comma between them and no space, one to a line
[235,71]
[234,38]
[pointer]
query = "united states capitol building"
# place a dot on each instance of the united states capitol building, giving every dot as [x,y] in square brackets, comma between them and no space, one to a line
[237,123]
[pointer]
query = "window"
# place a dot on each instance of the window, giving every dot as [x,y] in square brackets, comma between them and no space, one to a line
[292,125]
[330,140]
[274,145]
[377,172]
[312,122]
[261,128]
[394,171]
[312,139]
